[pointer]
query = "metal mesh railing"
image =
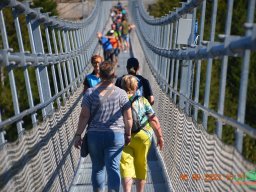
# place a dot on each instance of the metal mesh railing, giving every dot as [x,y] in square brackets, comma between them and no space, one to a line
[50,56]
[196,160]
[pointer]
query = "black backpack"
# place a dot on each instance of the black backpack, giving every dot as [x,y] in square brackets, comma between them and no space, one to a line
[137,125]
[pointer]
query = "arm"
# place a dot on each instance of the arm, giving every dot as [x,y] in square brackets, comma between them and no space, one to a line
[154,123]
[151,99]
[83,120]
[86,86]
[128,124]
[148,91]
[131,26]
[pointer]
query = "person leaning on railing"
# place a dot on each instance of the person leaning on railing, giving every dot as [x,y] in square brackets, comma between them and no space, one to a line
[108,111]
[134,157]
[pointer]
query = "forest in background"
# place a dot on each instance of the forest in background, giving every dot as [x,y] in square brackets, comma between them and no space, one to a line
[163,7]
[6,104]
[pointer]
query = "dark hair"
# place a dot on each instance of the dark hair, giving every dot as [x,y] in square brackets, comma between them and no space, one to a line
[107,70]
[124,18]
[132,65]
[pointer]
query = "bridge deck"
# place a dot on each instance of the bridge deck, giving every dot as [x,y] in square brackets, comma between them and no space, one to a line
[155,180]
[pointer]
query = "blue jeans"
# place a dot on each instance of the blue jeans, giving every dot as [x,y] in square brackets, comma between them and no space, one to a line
[105,149]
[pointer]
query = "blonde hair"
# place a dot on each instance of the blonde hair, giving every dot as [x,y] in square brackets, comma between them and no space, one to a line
[129,84]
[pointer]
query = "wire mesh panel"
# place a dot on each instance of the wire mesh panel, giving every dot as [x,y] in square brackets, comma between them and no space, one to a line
[193,114]
[43,60]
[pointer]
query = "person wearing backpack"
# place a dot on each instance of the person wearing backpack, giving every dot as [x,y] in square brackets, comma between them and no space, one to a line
[144,88]
[115,44]
[134,156]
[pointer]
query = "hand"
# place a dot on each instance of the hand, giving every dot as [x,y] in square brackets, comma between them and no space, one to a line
[78,142]
[160,142]
[127,139]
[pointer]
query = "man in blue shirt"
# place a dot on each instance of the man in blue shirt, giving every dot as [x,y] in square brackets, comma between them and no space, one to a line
[108,50]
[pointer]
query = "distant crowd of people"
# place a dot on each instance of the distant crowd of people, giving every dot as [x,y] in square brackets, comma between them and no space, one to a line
[117,37]
[107,115]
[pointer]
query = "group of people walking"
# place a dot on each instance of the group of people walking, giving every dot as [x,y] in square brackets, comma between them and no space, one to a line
[117,38]
[107,115]
[106,112]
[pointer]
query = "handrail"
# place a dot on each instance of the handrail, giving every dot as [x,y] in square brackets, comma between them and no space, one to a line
[73,43]
[173,16]
[166,52]
[23,7]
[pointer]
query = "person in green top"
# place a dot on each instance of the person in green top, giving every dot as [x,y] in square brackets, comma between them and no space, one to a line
[133,163]
[125,33]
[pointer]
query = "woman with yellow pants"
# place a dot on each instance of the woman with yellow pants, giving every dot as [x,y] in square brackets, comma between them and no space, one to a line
[134,156]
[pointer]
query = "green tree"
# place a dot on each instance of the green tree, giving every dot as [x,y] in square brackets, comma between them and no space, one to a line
[6,104]
[162,7]
[47,5]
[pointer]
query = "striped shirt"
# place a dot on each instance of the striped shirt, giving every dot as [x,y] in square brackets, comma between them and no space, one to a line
[108,116]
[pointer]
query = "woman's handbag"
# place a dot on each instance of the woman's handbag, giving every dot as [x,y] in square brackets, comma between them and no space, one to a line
[84,151]
[84,148]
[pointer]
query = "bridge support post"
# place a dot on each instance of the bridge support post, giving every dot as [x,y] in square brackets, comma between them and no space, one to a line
[15,100]
[185,84]
[41,70]
[52,65]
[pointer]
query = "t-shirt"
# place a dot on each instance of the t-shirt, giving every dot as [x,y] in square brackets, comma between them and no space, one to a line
[144,111]
[91,80]
[108,115]
[105,43]
[144,88]
[124,12]
[118,28]
[114,42]
[125,27]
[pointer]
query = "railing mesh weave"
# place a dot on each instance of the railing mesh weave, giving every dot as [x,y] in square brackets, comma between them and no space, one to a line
[189,149]
[36,160]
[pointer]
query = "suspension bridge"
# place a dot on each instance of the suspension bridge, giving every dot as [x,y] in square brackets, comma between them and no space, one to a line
[57,54]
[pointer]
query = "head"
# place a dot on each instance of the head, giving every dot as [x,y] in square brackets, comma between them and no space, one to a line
[118,20]
[113,26]
[124,18]
[107,71]
[95,61]
[99,34]
[111,32]
[129,84]
[132,66]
